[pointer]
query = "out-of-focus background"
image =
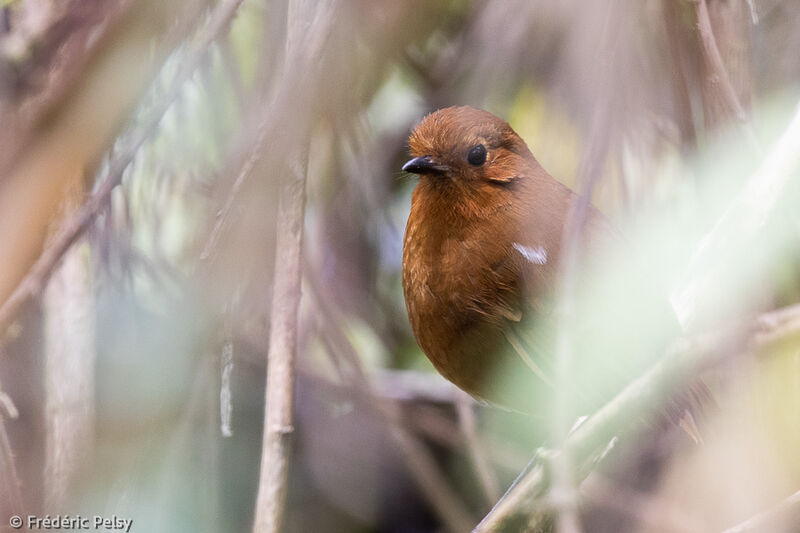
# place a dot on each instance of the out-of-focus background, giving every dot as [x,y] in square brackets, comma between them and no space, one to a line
[143,145]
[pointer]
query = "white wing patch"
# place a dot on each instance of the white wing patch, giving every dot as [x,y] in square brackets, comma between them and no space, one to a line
[537,255]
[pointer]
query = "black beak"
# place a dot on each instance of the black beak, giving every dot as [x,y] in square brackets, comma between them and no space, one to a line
[424,165]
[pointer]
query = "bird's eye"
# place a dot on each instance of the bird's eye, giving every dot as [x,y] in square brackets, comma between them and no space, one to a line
[477,155]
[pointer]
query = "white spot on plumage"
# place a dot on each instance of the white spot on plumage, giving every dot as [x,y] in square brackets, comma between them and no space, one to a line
[537,255]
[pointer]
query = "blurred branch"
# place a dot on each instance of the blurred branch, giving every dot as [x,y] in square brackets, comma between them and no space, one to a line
[422,466]
[713,57]
[732,239]
[8,468]
[680,89]
[74,227]
[589,174]
[590,441]
[69,369]
[762,521]
[427,474]
[255,153]
[777,325]
[275,117]
[60,45]
[640,400]
[70,139]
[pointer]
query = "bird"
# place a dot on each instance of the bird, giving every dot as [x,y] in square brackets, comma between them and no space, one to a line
[481,262]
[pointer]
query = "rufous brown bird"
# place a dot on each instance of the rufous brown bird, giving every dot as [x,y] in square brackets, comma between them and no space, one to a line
[481,255]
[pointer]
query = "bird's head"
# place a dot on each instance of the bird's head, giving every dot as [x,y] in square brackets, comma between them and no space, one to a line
[468,146]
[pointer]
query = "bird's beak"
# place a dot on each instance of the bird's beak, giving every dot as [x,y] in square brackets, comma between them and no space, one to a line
[425,165]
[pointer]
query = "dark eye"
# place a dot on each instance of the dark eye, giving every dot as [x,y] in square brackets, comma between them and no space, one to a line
[477,155]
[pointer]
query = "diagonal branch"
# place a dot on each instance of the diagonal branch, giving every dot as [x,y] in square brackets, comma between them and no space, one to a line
[640,400]
[75,226]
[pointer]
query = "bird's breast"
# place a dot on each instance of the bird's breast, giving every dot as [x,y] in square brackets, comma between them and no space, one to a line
[450,289]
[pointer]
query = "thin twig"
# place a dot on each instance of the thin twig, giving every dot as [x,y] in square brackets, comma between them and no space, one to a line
[477,453]
[680,89]
[714,57]
[278,114]
[8,468]
[75,226]
[427,474]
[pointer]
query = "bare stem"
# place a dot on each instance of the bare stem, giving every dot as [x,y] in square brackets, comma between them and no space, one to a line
[8,468]
[278,425]
[477,453]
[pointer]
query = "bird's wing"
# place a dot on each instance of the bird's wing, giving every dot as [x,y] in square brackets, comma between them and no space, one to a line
[530,267]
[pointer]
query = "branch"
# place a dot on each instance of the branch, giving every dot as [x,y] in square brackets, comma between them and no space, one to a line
[72,35]
[476,448]
[730,244]
[713,57]
[639,401]
[278,116]
[75,226]
[680,89]
[588,176]
[278,426]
